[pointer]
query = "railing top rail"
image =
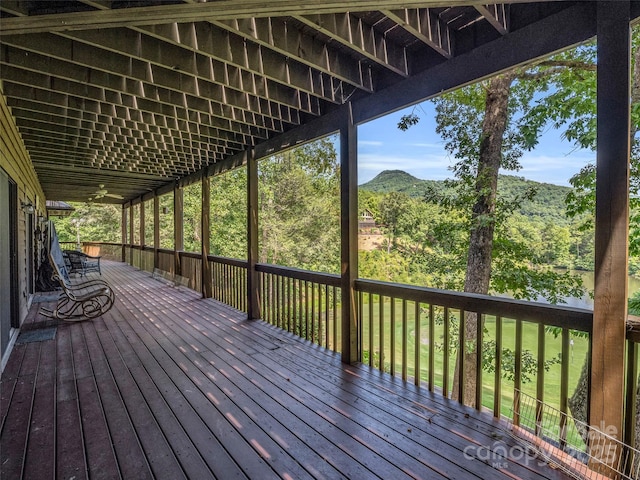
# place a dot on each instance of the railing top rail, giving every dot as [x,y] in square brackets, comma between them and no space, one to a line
[236,262]
[551,315]
[114,244]
[317,277]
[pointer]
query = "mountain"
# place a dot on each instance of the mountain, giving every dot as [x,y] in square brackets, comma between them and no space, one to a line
[400,181]
[547,204]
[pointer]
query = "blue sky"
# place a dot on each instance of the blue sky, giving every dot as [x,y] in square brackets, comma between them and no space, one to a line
[420,151]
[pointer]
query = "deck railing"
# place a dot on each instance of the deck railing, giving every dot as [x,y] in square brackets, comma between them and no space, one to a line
[302,302]
[229,281]
[415,333]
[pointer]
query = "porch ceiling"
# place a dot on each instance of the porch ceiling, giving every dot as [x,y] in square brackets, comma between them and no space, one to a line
[134,95]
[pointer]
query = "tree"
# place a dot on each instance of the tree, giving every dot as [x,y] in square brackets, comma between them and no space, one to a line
[391,207]
[481,130]
[299,211]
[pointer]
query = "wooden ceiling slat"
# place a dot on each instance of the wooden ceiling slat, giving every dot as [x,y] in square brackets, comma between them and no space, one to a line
[168,91]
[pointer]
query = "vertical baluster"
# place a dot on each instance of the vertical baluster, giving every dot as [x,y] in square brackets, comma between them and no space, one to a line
[417,339]
[461,355]
[405,333]
[479,340]
[630,407]
[540,380]
[326,315]
[361,295]
[564,385]
[236,276]
[517,383]
[319,315]
[289,302]
[306,310]
[371,346]
[214,280]
[263,296]
[359,319]
[497,387]
[335,319]
[381,326]
[432,335]
[296,297]
[226,283]
[392,336]
[272,298]
[445,360]
[313,312]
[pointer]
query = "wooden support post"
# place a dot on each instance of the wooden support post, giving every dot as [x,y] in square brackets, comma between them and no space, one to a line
[131,232]
[612,224]
[253,279]
[178,226]
[349,236]
[123,231]
[143,233]
[205,237]
[156,231]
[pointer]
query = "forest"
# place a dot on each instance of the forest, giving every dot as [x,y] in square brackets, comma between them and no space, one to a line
[423,242]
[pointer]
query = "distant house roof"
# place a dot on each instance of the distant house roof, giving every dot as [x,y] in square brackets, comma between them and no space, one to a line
[59,209]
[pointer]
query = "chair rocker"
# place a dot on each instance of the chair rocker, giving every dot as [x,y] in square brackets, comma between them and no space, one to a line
[82,263]
[77,301]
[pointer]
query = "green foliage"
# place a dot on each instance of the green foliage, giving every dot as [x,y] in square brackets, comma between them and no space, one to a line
[634,304]
[572,108]
[229,214]
[192,224]
[94,223]
[299,217]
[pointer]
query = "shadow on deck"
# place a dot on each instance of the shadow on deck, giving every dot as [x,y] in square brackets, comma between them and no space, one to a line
[168,385]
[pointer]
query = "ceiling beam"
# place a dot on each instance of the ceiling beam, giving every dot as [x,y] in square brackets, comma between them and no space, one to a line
[365,40]
[152,126]
[195,12]
[33,86]
[69,59]
[497,15]
[176,61]
[426,26]
[205,38]
[229,49]
[284,42]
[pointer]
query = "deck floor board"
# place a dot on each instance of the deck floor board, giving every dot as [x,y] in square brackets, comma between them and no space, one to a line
[169,385]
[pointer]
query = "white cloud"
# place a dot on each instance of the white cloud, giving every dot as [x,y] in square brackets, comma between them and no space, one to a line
[439,146]
[372,143]
[557,169]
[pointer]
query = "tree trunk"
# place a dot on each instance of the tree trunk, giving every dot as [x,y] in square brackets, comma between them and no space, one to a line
[478,272]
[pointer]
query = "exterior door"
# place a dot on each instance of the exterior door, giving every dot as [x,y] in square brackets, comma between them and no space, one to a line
[8,252]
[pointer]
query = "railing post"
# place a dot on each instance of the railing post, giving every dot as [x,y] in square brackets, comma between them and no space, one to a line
[123,232]
[205,245]
[131,232]
[349,235]
[178,227]
[143,232]
[606,400]
[253,280]
[156,231]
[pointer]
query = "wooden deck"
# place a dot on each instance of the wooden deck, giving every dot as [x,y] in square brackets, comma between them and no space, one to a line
[168,385]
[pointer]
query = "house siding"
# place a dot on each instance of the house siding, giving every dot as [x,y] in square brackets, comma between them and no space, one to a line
[16,163]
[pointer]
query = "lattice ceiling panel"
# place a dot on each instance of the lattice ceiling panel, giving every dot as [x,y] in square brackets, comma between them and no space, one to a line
[137,94]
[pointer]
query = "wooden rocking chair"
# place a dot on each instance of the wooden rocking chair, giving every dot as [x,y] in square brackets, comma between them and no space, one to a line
[77,301]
